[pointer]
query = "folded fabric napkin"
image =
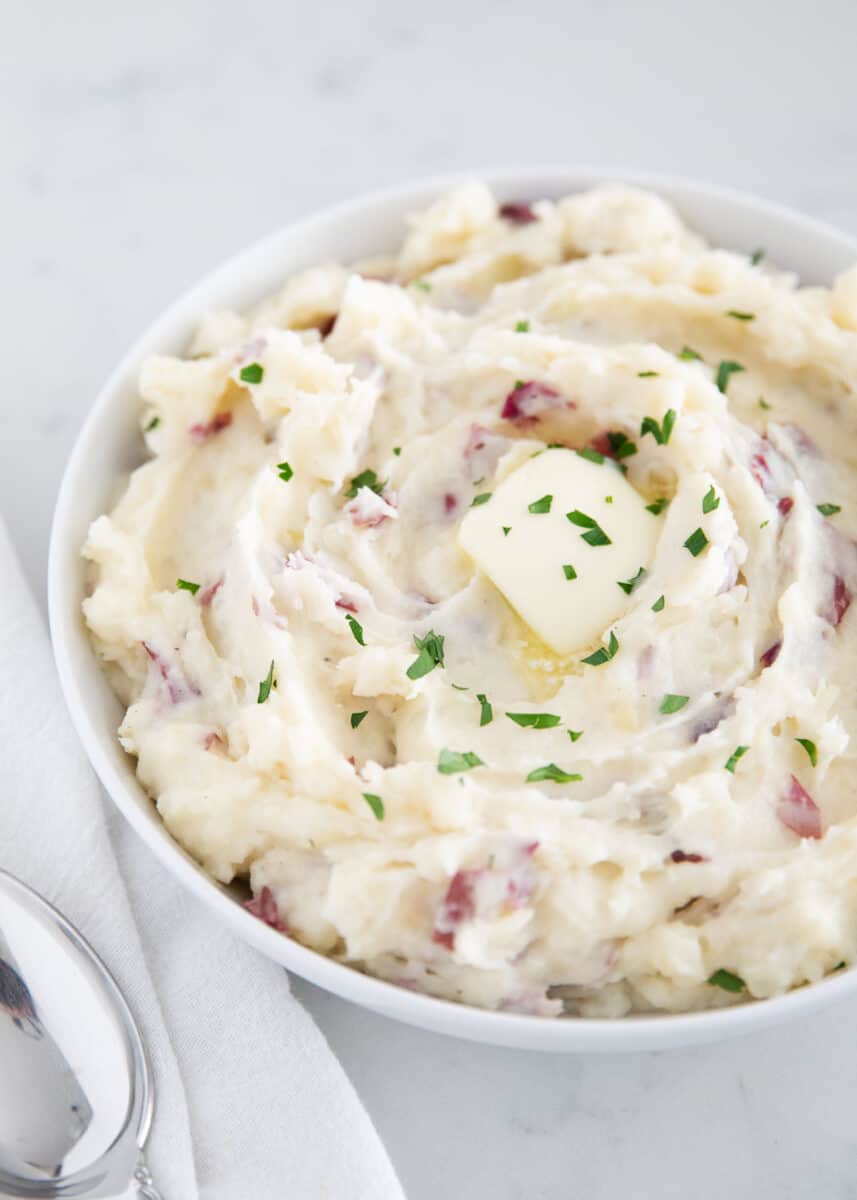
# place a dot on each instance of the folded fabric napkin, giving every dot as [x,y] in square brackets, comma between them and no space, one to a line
[250,1103]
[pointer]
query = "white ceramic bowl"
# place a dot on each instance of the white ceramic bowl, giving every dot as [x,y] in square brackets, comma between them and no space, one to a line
[109,445]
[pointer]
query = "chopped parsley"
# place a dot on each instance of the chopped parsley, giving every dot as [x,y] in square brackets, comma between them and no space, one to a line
[357,717]
[763,403]
[621,444]
[460,687]
[367,479]
[266,685]
[375,803]
[595,535]
[482,498]
[430,654]
[732,761]
[811,749]
[628,585]
[450,762]
[574,734]
[590,454]
[696,543]
[522,327]
[507,529]
[671,703]
[185,585]
[284,471]
[486,713]
[153,424]
[829,510]
[397,450]
[724,370]
[658,604]
[552,774]
[252,373]
[756,257]
[647,374]
[657,506]
[727,981]
[660,432]
[534,720]
[710,500]
[764,523]
[422,284]
[541,506]
[569,571]
[608,499]
[604,654]
[356,628]
[689,355]
[740,316]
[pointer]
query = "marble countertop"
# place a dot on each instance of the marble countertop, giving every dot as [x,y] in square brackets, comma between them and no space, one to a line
[142,144]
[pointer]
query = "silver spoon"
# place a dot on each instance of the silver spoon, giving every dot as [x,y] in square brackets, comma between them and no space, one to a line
[75,1087]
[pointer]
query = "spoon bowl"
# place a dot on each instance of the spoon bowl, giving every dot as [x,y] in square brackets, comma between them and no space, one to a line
[75,1086]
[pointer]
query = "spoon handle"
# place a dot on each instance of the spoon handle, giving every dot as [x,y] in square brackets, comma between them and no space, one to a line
[146,1189]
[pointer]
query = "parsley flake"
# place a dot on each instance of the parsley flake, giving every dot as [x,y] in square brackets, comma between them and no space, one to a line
[811,749]
[740,316]
[450,762]
[569,571]
[696,543]
[185,585]
[689,355]
[756,257]
[367,479]
[482,498]
[659,431]
[647,374]
[534,720]
[266,685]
[574,734]
[422,284]
[153,424]
[710,500]
[397,450]
[357,717]
[486,712]
[657,506]
[604,654]
[522,327]
[732,761]
[727,981]
[356,628]
[671,703]
[724,370]
[621,444]
[595,535]
[430,654]
[375,803]
[590,454]
[507,529]
[658,604]
[541,506]
[252,373]
[284,471]
[551,773]
[764,404]
[628,585]
[829,510]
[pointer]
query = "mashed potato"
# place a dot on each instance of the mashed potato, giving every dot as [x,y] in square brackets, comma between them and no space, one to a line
[488,607]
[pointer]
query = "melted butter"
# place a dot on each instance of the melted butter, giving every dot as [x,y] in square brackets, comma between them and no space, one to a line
[529,564]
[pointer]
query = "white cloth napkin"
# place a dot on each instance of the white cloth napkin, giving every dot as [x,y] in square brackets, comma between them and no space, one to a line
[250,1102]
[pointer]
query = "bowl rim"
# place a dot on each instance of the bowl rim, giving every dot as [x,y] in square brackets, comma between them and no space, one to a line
[514,1030]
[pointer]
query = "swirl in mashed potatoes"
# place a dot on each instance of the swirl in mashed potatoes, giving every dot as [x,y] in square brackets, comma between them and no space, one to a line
[488,606]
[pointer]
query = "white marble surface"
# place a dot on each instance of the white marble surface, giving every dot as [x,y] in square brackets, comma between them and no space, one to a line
[142,144]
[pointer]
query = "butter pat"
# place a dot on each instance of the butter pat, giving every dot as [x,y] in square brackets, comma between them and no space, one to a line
[531,563]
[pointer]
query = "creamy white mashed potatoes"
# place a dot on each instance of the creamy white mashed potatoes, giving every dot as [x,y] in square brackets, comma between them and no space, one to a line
[529,728]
